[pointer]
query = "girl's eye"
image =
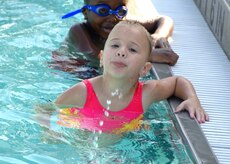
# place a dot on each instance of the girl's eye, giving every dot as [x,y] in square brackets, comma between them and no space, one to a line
[132,50]
[115,45]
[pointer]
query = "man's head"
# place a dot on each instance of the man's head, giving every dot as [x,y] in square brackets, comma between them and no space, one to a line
[103,15]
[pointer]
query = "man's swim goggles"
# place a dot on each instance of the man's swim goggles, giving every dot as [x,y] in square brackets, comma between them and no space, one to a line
[102,10]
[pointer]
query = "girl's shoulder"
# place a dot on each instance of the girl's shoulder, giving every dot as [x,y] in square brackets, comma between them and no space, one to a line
[76,95]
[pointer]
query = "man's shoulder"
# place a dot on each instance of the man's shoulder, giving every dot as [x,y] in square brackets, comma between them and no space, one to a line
[78,27]
[80,37]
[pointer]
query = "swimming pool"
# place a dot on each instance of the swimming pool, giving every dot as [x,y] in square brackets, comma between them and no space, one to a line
[29,31]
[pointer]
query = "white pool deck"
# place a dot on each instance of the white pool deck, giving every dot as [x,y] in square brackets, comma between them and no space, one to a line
[205,64]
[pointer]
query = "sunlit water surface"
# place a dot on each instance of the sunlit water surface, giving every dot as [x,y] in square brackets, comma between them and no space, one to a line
[29,31]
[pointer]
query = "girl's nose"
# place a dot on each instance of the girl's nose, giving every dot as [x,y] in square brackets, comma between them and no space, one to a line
[121,54]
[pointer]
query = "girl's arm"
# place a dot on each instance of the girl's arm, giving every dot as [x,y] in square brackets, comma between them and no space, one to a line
[181,88]
[74,96]
[184,90]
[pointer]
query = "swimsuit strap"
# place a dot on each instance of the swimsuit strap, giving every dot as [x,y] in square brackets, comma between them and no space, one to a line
[136,103]
[90,91]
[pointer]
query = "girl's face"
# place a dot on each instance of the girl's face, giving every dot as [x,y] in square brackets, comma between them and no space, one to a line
[126,52]
[103,25]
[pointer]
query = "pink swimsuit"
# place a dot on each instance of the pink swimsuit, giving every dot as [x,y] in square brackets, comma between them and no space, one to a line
[94,117]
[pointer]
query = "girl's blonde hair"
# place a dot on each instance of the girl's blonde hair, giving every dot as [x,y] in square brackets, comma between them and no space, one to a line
[138,25]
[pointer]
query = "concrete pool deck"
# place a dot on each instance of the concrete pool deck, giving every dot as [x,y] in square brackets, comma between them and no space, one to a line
[190,131]
[204,62]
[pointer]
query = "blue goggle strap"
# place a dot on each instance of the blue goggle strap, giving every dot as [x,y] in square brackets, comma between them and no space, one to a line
[72,13]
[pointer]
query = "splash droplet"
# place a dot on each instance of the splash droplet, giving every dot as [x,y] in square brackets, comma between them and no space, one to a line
[101,123]
[95,144]
[108,102]
[100,132]
[106,113]
[96,138]
[108,108]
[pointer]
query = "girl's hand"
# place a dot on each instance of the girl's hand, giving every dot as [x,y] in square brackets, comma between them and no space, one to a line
[194,108]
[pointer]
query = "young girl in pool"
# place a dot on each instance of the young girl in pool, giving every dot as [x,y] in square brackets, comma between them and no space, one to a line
[88,38]
[116,100]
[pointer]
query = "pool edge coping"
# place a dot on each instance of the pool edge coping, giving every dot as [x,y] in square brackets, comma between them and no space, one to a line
[189,129]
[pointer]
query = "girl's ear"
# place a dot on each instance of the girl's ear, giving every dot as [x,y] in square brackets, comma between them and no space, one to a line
[145,69]
[101,58]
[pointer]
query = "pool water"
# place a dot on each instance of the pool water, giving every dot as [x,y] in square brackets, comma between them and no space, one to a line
[29,31]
